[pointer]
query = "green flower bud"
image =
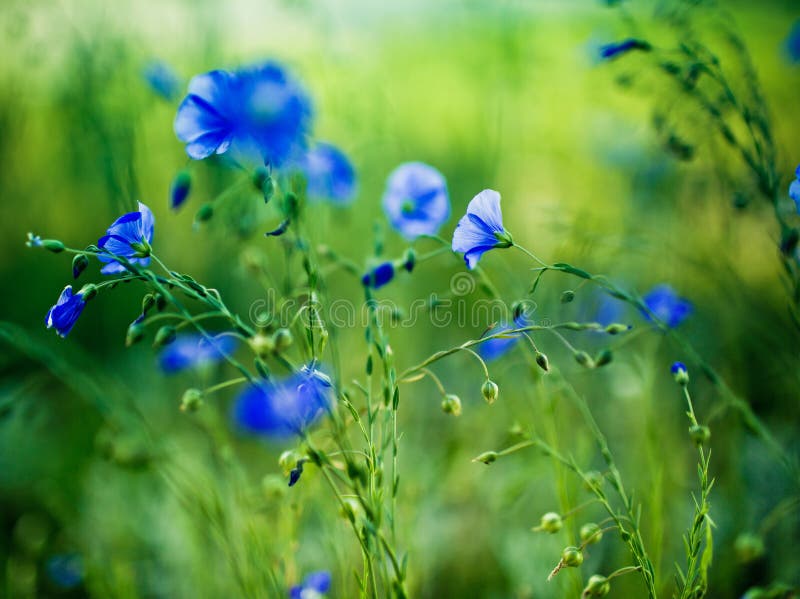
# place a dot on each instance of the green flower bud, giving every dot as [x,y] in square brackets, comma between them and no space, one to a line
[699,433]
[582,358]
[288,460]
[571,557]
[88,291]
[748,547]
[550,523]
[164,336]
[52,245]
[135,334]
[617,328]
[567,296]
[603,358]
[148,301]
[487,457]
[205,213]
[79,264]
[192,400]
[490,391]
[282,339]
[542,361]
[451,404]
[409,259]
[591,533]
[594,480]
[262,345]
[598,586]
[161,301]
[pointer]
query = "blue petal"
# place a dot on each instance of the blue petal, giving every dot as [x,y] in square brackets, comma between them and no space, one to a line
[667,305]
[162,80]
[498,347]
[188,351]
[318,581]
[794,193]
[416,201]
[379,276]
[329,174]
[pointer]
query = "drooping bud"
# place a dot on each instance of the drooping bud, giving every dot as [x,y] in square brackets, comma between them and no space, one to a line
[567,296]
[597,586]
[179,190]
[282,339]
[584,359]
[700,434]
[88,291]
[591,533]
[490,391]
[409,259]
[487,457]
[680,373]
[79,264]
[148,301]
[52,245]
[542,361]
[288,460]
[604,357]
[616,328]
[572,557]
[135,334]
[164,336]
[192,400]
[551,523]
[451,404]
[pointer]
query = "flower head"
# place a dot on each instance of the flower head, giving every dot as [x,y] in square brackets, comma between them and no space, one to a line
[65,313]
[283,408]
[379,276]
[314,586]
[188,351]
[162,79]
[500,346]
[329,174]
[416,200]
[258,113]
[667,305]
[794,188]
[129,236]
[481,228]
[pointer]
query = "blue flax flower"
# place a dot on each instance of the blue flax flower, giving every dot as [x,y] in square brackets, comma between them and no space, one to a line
[188,351]
[416,200]
[481,228]
[314,586]
[65,570]
[329,174]
[496,348]
[794,189]
[65,313]
[667,305]
[379,276]
[792,44]
[129,236]
[259,114]
[162,79]
[616,49]
[283,408]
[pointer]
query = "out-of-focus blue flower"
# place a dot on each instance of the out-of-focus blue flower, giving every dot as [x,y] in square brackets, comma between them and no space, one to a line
[189,351]
[258,114]
[667,305]
[481,228]
[379,276]
[678,367]
[794,189]
[179,189]
[129,236]
[416,200]
[283,408]
[65,570]
[792,44]
[329,174]
[496,348]
[162,79]
[314,586]
[616,49]
[65,313]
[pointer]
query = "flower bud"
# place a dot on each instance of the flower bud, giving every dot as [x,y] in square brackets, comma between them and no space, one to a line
[617,328]
[598,586]
[164,336]
[161,301]
[603,358]
[748,547]
[262,345]
[567,296]
[582,358]
[192,400]
[487,457]
[179,190]
[451,404]
[205,213]
[79,264]
[52,245]
[542,361]
[591,533]
[282,339]
[593,480]
[572,557]
[699,433]
[148,301]
[680,373]
[88,291]
[490,391]
[135,334]
[550,523]
[409,259]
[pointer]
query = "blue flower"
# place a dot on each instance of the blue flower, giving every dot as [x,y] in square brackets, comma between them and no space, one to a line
[329,174]
[678,367]
[283,408]
[616,49]
[130,237]
[65,313]
[314,586]
[794,189]
[65,570]
[188,351]
[416,200]
[481,228]
[379,276]
[162,79]
[498,347]
[259,114]
[667,305]
[793,44]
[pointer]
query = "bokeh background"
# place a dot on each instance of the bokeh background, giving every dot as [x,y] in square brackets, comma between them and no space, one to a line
[97,461]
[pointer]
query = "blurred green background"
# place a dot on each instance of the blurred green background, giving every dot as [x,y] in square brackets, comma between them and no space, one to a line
[96,459]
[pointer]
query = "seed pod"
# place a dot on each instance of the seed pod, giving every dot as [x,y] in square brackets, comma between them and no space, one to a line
[572,557]
[490,391]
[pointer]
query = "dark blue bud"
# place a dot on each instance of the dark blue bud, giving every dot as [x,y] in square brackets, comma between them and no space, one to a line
[279,231]
[79,264]
[179,190]
[379,276]
[295,474]
[616,49]
[677,367]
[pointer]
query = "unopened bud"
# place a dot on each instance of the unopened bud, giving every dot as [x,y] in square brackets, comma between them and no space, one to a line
[597,586]
[282,339]
[52,245]
[603,358]
[593,480]
[550,523]
[451,404]
[591,533]
[409,259]
[487,457]
[148,301]
[192,400]
[700,434]
[490,391]
[164,336]
[572,557]
[205,213]
[680,373]
[617,328]
[179,190]
[79,264]
[567,296]
[88,291]
[135,334]
[542,361]
[262,345]
[582,358]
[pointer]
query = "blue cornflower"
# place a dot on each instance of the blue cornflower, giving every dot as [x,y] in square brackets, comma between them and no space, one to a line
[65,570]
[129,236]
[258,113]
[793,43]
[283,408]
[314,586]
[667,305]
[616,49]
[481,228]
[162,79]
[188,351]
[329,174]
[498,347]
[379,276]
[65,313]
[794,189]
[416,200]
